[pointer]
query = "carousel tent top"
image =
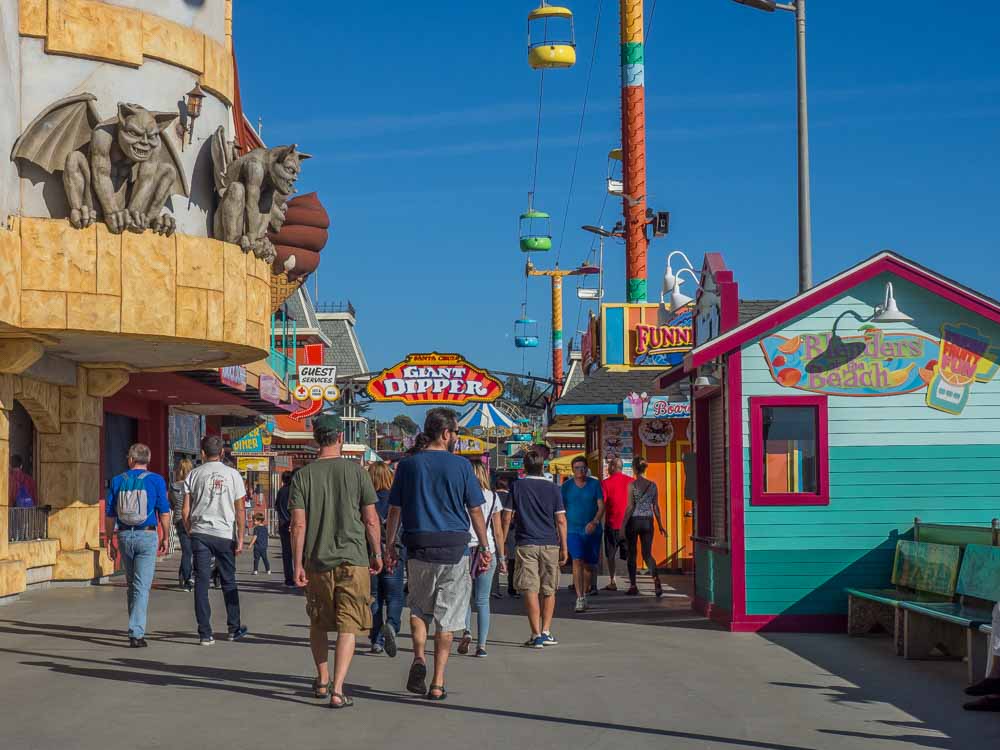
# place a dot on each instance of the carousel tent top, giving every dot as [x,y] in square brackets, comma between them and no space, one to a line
[484,415]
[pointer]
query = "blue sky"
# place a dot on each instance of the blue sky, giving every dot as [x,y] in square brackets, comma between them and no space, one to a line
[421,119]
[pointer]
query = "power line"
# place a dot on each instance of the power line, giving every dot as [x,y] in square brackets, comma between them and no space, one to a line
[649,23]
[538,137]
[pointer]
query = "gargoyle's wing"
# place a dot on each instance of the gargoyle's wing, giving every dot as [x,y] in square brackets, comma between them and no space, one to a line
[220,160]
[169,155]
[60,129]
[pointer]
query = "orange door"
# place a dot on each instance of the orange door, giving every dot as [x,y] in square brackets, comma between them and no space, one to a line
[683,508]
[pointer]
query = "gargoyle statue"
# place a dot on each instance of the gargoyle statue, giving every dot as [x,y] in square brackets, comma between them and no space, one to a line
[253,190]
[125,161]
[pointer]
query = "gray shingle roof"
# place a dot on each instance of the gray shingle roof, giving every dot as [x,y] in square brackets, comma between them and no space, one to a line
[605,387]
[574,377]
[341,351]
[752,308]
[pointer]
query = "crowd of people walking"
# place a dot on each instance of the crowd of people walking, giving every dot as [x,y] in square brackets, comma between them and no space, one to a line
[435,535]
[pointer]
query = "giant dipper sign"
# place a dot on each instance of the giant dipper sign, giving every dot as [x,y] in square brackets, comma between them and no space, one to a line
[434,379]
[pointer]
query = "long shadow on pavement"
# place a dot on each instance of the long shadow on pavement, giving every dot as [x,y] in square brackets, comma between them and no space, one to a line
[278,687]
[931,693]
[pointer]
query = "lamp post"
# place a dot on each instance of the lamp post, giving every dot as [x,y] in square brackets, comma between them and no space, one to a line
[805,213]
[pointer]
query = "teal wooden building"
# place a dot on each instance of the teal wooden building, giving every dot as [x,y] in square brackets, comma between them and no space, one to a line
[825,425]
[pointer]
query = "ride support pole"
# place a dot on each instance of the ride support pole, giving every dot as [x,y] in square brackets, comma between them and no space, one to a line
[634,148]
[557,335]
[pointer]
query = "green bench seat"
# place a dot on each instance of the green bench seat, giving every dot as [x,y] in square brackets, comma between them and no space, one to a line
[955,629]
[894,597]
[921,571]
[955,613]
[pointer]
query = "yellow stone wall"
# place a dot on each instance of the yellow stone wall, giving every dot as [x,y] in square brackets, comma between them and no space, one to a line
[112,33]
[205,292]
[36,554]
[68,422]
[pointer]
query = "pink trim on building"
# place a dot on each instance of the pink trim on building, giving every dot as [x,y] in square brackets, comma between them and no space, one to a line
[737,532]
[885,262]
[757,494]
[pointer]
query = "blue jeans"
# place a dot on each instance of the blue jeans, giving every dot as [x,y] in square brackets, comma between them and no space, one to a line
[205,547]
[387,602]
[138,551]
[481,588]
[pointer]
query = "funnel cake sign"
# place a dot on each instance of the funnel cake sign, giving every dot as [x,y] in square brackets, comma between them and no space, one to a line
[879,363]
[435,379]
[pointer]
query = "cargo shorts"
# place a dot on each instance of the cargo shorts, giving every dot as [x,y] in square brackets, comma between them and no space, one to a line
[339,600]
[537,569]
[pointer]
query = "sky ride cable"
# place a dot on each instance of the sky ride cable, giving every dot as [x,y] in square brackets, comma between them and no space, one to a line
[538,140]
[579,134]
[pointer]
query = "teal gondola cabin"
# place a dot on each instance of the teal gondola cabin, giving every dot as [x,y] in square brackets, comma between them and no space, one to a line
[825,424]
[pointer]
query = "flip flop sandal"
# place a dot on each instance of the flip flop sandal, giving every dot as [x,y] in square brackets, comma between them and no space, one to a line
[324,688]
[442,693]
[990,703]
[417,680]
[345,701]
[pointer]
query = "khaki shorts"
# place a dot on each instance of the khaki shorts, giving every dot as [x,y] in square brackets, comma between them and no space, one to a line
[537,569]
[339,600]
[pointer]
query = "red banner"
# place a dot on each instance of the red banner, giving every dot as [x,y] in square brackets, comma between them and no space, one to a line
[435,379]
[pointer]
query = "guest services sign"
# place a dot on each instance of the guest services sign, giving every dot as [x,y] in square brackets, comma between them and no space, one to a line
[435,379]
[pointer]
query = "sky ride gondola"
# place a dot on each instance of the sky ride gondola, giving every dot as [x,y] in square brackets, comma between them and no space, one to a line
[535,231]
[551,38]
[616,183]
[525,333]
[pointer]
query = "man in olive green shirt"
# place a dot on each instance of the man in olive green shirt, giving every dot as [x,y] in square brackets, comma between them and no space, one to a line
[336,548]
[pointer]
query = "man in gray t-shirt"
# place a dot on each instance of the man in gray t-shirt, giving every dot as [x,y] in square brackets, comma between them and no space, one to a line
[213,516]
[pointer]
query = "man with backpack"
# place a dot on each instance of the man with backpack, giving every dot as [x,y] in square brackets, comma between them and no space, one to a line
[136,501]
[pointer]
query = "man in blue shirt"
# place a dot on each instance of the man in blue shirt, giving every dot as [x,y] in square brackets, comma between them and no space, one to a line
[584,502]
[136,500]
[539,519]
[435,495]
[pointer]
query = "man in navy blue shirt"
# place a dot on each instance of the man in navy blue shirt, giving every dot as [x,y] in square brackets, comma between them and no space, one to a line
[138,491]
[435,495]
[540,538]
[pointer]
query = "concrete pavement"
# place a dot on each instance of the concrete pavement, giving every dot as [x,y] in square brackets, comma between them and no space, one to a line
[631,672]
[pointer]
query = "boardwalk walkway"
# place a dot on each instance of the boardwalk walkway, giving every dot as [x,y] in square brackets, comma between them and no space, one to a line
[632,673]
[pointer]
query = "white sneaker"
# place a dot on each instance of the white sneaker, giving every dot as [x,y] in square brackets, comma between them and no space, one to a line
[581,604]
[253,573]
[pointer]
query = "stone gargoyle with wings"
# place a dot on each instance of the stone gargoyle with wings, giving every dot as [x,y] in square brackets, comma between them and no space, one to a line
[126,161]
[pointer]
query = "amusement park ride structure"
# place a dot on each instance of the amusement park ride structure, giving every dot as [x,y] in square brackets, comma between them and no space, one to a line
[552,45]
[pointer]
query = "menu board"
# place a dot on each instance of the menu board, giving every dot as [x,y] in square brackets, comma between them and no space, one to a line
[616,442]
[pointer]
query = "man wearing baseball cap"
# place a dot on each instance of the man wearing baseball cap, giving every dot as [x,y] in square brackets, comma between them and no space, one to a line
[336,548]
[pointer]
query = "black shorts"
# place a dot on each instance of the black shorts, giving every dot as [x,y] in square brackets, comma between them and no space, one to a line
[612,541]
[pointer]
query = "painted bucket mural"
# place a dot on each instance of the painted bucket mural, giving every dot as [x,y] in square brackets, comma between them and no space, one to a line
[880,363]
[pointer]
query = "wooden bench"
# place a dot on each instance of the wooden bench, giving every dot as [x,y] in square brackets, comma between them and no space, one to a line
[955,628]
[921,571]
[960,536]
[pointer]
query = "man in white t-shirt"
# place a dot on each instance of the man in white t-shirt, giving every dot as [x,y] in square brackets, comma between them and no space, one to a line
[213,515]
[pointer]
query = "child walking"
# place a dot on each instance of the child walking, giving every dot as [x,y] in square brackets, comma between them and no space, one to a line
[259,534]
